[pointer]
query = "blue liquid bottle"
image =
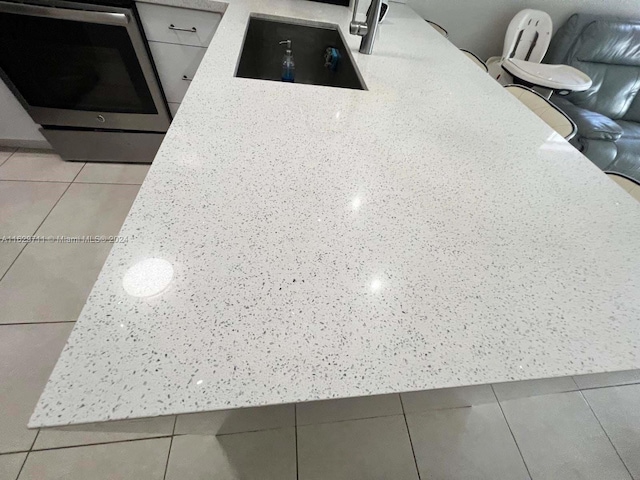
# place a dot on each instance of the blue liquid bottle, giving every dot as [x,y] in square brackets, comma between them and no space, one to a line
[288,65]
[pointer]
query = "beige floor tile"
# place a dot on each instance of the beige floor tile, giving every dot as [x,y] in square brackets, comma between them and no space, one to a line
[356,450]
[8,253]
[447,398]
[10,465]
[27,356]
[626,184]
[461,443]
[40,165]
[560,438]
[348,409]
[266,455]
[530,388]
[126,173]
[24,205]
[5,153]
[90,209]
[236,421]
[610,379]
[635,192]
[50,282]
[618,409]
[138,460]
[104,432]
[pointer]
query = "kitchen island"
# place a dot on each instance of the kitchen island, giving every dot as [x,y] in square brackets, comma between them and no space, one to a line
[294,243]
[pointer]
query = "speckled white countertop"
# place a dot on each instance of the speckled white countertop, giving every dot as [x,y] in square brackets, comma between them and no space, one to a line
[429,232]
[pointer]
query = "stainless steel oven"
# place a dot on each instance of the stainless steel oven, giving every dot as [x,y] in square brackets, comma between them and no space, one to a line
[83,71]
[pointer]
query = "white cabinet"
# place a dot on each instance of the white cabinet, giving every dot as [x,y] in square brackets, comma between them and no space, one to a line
[178,39]
[176,64]
[178,25]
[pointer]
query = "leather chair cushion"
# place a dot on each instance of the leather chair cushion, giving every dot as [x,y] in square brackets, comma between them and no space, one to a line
[614,43]
[591,125]
[608,50]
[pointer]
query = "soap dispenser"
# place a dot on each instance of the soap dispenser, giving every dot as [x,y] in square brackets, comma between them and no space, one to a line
[288,65]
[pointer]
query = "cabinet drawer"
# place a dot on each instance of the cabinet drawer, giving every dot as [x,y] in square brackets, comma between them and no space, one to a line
[176,64]
[178,25]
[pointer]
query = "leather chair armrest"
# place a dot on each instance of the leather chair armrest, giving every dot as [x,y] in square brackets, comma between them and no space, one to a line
[591,125]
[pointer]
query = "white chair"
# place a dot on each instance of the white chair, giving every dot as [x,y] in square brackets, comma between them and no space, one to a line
[475,59]
[543,108]
[525,45]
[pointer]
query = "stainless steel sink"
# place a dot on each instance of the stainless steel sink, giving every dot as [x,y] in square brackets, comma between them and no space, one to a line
[261,55]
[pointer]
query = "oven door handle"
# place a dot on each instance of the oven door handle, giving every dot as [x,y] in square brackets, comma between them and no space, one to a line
[106,18]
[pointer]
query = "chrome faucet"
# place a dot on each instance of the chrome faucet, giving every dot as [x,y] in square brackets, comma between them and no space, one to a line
[367,30]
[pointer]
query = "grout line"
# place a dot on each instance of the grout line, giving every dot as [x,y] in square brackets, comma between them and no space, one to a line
[34,440]
[66,181]
[35,323]
[607,435]
[13,452]
[166,465]
[106,183]
[295,430]
[635,382]
[173,432]
[511,431]
[252,431]
[14,261]
[21,451]
[28,453]
[74,178]
[24,462]
[129,440]
[32,181]
[574,382]
[406,423]
[58,201]
[289,426]
[334,421]
[439,409]
[235,433]
[10,155]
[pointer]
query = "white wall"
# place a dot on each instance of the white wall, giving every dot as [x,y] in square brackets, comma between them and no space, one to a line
[17,129]
[480,25]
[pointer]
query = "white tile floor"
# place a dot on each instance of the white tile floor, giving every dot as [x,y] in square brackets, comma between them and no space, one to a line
[628,186]
[584,427]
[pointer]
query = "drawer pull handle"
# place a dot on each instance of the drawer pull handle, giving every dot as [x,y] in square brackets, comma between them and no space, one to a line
[184,77]
[173,27]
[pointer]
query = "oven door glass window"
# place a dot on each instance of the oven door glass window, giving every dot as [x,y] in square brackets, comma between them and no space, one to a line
[76,65]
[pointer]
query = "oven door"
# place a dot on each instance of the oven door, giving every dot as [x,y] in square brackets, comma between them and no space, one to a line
[80,67]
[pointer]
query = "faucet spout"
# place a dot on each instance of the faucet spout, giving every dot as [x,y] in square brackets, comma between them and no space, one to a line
[367,30]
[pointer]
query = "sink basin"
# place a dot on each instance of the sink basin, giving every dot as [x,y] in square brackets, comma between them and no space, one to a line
[261,55]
